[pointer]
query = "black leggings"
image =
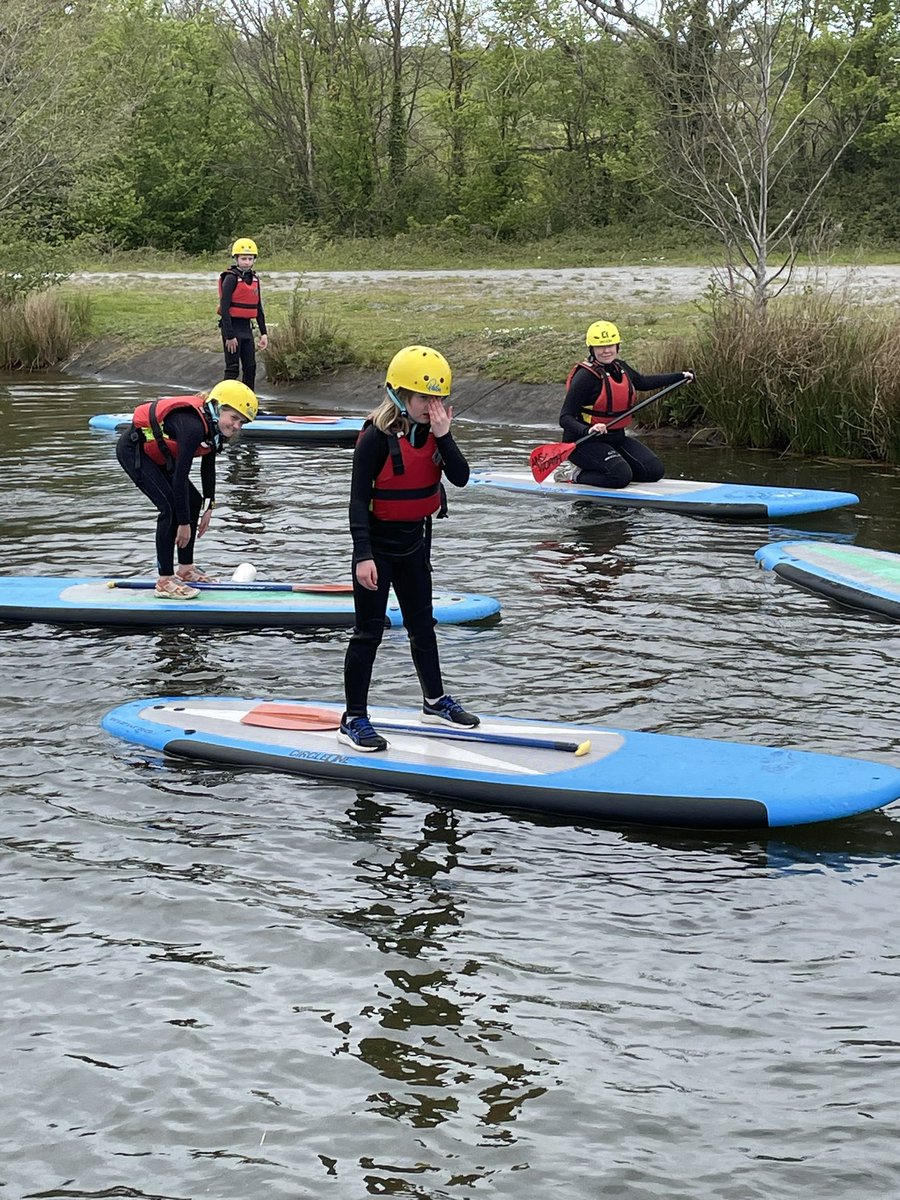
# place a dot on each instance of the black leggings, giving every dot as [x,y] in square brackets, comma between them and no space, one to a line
[614,460]
[156,484]
[241,363]
[410,575]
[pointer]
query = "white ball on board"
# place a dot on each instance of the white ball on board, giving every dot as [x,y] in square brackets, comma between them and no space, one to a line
[244,573]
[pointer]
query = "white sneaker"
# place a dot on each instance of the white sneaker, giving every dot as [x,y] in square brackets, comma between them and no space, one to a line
[567,473]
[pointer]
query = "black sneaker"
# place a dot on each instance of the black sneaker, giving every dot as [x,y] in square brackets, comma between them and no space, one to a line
[358,732]
[448,711]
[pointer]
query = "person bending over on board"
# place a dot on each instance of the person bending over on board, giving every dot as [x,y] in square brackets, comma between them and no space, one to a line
[403,451]
[157,450]
[596,389]
[240,304]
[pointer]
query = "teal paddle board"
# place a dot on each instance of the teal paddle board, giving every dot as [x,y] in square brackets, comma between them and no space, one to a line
[851,575]
[58,600]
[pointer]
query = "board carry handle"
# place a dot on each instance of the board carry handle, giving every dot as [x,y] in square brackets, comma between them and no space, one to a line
[272,715]
[314,589]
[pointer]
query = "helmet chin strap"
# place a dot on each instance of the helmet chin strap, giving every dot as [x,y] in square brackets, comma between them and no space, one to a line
[212,411]
[398,403]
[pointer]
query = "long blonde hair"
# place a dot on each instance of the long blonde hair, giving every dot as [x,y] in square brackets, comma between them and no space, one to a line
[388,418]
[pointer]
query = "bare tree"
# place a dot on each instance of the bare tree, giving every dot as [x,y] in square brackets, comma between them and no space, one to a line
[737,128]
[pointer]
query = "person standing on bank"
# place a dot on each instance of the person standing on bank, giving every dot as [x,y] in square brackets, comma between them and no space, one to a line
[240,304]
[596,390]
[403,451]
[157,451]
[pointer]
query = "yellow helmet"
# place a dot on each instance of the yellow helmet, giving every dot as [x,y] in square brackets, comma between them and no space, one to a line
[244,246]
[602,333]
[236,395]
[420,369]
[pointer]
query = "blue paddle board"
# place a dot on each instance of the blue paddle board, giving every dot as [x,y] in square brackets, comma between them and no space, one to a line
[342,431]
[851,575]
[729,500]
[623,777]
[56,600]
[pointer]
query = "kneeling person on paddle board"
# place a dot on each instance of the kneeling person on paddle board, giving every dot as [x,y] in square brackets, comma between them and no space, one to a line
[596,389]
[404,449]
[157,451]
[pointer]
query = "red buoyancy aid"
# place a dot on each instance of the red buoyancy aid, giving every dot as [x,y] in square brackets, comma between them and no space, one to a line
[408,486]
[614,396]
[148,419]
[245,301]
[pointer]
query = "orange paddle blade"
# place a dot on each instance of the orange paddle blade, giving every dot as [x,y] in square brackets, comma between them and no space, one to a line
[316,589]
[315,420]
[545,459]
[291,716]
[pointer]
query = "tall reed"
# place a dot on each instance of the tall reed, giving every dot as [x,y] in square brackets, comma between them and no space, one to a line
[41,329]
[817,375]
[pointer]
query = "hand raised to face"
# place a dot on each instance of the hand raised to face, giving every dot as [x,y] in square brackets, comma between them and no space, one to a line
[439,416]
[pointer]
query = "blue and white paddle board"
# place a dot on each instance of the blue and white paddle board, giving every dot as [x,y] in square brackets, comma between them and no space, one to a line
[341,431]
[730,500]
[851,575]
[56,600]
[624,778]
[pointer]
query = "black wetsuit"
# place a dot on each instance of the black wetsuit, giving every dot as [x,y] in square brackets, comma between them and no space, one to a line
[610,460]
[172,492]
[401,553]
[240,363]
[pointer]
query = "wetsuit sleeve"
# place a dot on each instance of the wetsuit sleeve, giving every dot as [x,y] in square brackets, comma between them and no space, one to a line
[456,467]
[650,383]
[583,391]
[228,285]
[260,315]
[369,457]
[186,428]
[208,476]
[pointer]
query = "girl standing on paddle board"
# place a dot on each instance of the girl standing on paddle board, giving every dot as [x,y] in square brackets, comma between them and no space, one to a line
[157,450]
[596,389]
[403,451]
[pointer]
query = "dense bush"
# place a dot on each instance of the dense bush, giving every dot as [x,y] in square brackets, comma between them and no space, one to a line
[816,374]
[302,346]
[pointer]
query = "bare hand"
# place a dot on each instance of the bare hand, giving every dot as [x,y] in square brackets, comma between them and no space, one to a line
[204,523]
[367,574]
[599,428]
[439,416]
[182,536]
[689,376]
[231,344]
[263,341]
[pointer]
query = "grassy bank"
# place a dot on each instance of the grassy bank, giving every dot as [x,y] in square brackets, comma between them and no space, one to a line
[818,373]
[497,331]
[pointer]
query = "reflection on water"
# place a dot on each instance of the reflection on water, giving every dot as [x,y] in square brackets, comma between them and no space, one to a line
[236,984]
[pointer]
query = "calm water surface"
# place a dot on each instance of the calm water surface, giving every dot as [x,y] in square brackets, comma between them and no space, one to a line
[241,985]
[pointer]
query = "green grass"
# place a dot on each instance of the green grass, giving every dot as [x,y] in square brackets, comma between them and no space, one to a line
[494,332]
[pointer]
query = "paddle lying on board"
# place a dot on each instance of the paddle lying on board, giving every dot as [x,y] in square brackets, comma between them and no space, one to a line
[291,716]
[313,589]
[545,459]
[266,416]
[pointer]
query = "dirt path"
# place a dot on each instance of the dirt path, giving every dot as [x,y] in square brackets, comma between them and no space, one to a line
[621,285]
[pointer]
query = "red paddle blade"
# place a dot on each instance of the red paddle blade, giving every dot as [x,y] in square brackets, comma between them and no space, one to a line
[315,420]
[291,716]
[545,459]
